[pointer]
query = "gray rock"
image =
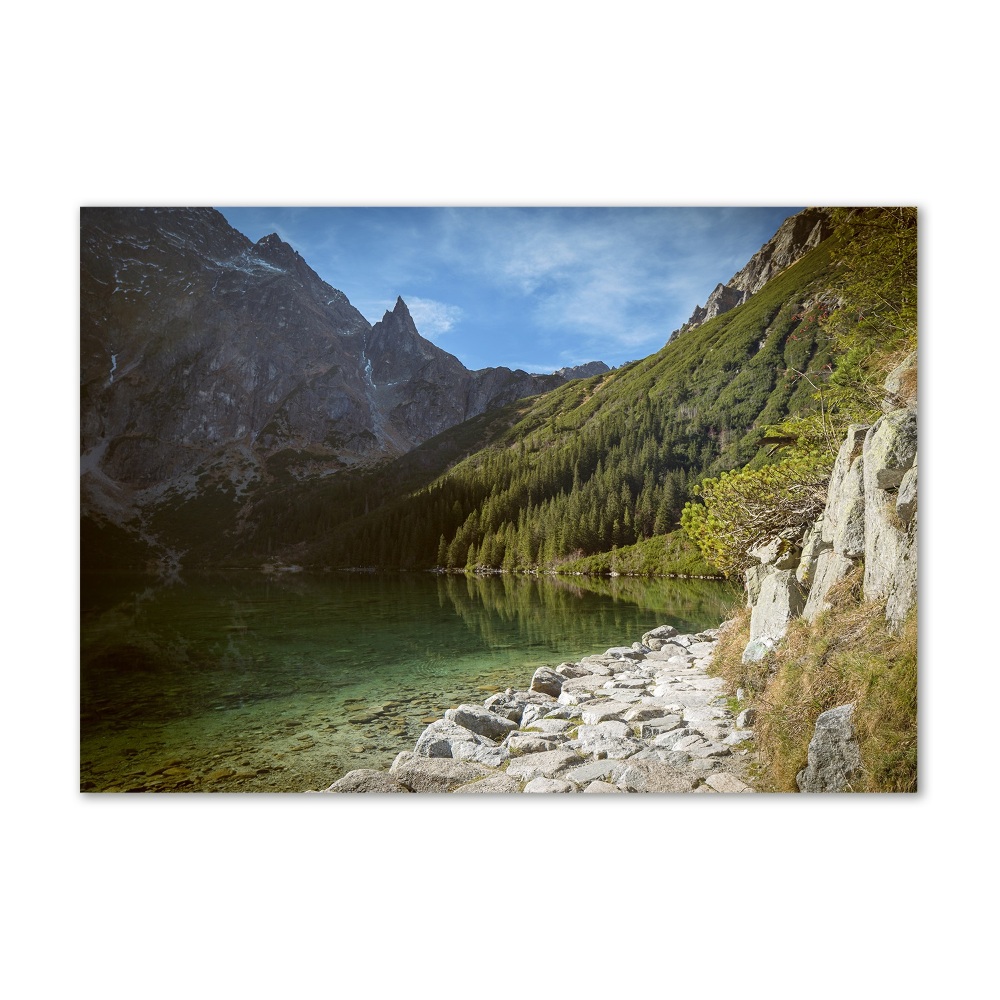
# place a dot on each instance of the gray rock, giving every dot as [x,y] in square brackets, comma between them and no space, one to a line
[607,747]
[546,764]
[890,448]
[906,498]
[739,736]
[782,552]
[833,757]
[427,774]
[666,741]
[588,684]
[599,711]
[610,729]
[890,546]
[654,777]
[490,756]
[521,742]
[849,528]
[594,770]
[753,577]
[831,568]
[549,785]
[445,738]
[812,546]
[550,727]
[505,705]
[532,714]
[572,670]
[701,649]
[657,727]
[497,784]
[645,713]
[598,787]
[560,712]
[367,780]
[723,781]
[547,681]
[623,653]
[480,721]
[851,451]
[659,633]
[746,718]
[781,600]
[536,698]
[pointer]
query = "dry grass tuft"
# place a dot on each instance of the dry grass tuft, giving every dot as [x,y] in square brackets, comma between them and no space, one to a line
[850,654]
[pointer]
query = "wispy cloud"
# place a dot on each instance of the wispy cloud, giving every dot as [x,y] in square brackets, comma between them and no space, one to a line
[433,318]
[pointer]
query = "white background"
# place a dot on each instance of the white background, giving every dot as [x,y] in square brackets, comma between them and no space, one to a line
[540,103]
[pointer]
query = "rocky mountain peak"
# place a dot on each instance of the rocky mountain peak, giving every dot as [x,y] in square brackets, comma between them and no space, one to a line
[796,236]
[583,371]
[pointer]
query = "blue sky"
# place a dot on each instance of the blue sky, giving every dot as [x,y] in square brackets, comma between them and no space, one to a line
[531,288]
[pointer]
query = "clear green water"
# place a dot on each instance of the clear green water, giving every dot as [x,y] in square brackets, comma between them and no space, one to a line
[253,684]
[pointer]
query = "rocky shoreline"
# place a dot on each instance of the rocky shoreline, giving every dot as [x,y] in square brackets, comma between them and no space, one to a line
[640,718]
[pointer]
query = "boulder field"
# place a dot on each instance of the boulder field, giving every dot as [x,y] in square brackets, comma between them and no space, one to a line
[639,718]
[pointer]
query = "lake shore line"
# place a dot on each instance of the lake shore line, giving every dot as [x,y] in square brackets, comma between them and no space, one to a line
[642,718]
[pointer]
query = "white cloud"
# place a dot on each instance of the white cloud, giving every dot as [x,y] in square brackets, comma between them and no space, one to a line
[432,318]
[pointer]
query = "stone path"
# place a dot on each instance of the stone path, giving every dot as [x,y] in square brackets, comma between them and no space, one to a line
[639,718]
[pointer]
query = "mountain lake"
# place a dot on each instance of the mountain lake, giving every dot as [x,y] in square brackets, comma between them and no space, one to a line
[247,683]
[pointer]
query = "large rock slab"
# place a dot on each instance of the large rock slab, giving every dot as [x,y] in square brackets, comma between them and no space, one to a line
[781,599]
[607,747]
[445,738]
[890,448]
[812,546]
[547,764]
[523,742]
[906,498]
[723,781]
[658,634]
[572,670]
[548,726]
[599,711]
[435,774]
[481,721]
[599,787]
[594,770]
[497,784]
[366,780]
[831,568]
[549,785]
[891,542]
[654,777]
[506,705]
[547,682]
[833,758]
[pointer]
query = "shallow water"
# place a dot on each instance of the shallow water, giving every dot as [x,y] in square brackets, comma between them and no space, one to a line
[246,683]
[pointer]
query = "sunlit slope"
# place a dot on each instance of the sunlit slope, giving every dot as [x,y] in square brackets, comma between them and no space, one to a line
[594,464]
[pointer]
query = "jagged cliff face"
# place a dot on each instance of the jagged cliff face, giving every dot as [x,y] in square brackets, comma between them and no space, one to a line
[204,356]
[796,236]
[193,340]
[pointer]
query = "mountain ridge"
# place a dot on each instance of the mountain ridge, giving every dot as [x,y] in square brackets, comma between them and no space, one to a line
[206,358]
[797,235]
